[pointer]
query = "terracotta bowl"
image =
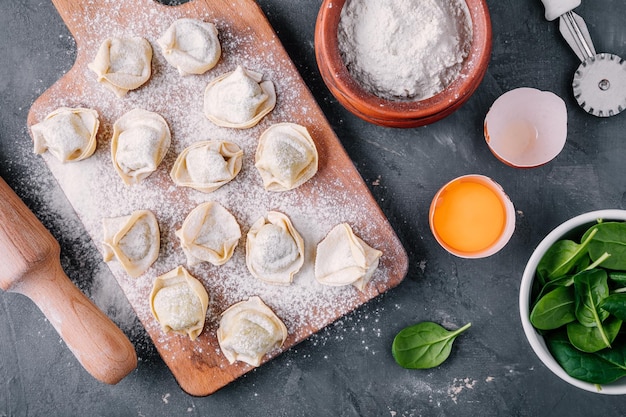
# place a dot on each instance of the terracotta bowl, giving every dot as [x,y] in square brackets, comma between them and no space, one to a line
[392,113]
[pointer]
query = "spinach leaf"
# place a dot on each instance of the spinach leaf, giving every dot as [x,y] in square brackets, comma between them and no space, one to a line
[592,229]
[618,278]
[555,309]
[589,339]
[582,264]
[564,281]
[610,237]
[602,367]
[591,289]
[562,257]
[616,356]
[615,304]
[424,345]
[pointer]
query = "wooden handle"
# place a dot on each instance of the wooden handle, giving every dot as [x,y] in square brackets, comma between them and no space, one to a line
[29,256]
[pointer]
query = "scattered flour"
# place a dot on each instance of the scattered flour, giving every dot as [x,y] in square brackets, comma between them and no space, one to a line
[460,385]
[404,49]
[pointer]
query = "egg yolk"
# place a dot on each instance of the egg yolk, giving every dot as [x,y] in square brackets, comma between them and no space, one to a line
[468,216]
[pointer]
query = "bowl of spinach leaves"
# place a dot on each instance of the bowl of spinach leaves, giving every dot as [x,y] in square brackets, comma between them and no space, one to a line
[573,301]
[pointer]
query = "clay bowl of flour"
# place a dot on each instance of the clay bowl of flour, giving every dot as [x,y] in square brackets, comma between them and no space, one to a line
[403,64]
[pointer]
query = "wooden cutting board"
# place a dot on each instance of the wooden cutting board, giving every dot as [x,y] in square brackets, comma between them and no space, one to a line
[336,194]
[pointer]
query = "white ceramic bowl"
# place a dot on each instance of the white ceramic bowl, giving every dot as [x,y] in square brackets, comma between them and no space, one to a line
[570,228]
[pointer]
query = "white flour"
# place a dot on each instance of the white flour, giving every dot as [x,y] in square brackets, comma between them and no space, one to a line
[404,49]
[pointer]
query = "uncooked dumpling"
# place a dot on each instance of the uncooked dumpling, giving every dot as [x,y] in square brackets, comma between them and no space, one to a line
[249,330]
[206,166]
[190,45]
[210,233]
[343,258]
[239,99]
[133,240]
[179,302]
[274,249]
[68,134]
[140,141]
[123,64]
[286,157]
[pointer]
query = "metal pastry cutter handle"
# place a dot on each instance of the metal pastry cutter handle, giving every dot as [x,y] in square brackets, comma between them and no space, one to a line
[572,26]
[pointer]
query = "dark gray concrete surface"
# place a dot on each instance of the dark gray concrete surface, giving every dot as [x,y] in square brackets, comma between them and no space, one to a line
[347,369]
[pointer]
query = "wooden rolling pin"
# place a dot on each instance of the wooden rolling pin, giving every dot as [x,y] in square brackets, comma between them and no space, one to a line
[30,259]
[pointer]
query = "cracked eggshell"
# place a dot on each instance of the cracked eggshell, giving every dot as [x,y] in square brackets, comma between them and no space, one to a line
[526,127]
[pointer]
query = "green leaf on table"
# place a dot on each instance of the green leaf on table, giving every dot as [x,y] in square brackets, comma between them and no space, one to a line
[424,345]
[555,309]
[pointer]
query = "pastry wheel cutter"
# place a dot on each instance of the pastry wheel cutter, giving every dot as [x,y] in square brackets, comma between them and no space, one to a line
[599,83]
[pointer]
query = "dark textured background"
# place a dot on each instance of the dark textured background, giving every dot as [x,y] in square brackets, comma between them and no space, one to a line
[346,369]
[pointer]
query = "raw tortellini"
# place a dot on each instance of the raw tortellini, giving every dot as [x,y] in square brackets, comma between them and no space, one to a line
[68,134]
[133,240]
[343,258]
[286,157]
[206,166]
[274,249]
[190,45]
[140,141]
[248,330]
[210,233]
[179,302]
[239,99]
[123,64]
